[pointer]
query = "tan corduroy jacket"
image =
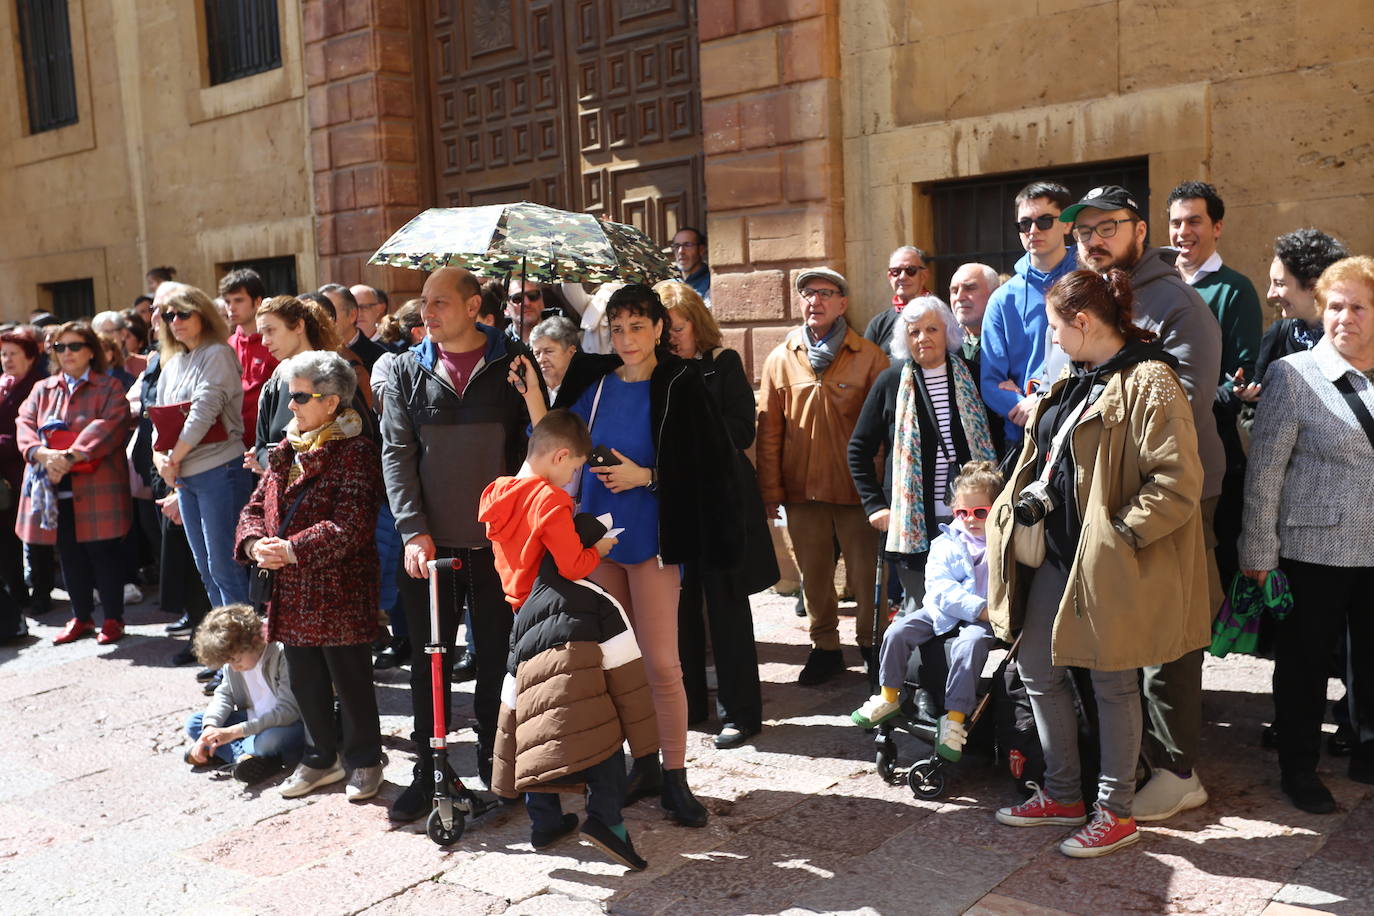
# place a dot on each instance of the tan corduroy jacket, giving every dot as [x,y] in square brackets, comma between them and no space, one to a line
[805,420]
[1127,605]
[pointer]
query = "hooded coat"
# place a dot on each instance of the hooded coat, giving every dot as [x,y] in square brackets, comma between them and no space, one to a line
[1137,591]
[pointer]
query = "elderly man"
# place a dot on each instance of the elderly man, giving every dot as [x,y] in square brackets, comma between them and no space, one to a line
[906,274]
[346,324]
[814,385]
[372,305]
[451,424]
[969,291]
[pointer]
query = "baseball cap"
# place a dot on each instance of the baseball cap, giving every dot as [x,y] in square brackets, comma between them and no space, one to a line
[823,273]
[1106,197]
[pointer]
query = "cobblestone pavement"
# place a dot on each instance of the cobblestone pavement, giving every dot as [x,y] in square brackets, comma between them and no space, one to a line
[98,813]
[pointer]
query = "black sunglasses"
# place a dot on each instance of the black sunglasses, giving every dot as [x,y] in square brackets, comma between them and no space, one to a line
[75,346]
[1042,222]
[304,397]
[533,295]
[908,270]
[173,314]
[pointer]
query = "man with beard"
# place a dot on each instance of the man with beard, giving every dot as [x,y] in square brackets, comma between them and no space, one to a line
[1111,232]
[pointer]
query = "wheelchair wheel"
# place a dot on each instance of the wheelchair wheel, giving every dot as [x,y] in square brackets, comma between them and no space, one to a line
[435,828]
[887,760]
[926,779]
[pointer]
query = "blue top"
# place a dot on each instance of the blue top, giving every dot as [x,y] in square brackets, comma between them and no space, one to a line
[1015,334]
[623,423]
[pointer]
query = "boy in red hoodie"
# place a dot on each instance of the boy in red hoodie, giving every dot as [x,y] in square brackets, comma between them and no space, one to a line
[575,686]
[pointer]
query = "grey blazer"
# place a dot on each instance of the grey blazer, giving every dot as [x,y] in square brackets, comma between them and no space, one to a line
[1309,488]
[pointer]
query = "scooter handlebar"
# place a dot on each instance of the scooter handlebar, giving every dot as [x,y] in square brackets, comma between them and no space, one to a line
[448,563]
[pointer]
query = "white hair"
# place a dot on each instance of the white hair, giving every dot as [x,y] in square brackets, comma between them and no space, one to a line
[113,320]
[326,370]
[915,310]
[990,275]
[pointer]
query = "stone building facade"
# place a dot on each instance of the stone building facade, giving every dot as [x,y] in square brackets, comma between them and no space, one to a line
[798,131]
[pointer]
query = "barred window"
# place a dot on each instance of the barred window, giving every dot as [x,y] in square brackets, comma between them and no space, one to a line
[242,38]
[45,40]
[71,300]
[278,274]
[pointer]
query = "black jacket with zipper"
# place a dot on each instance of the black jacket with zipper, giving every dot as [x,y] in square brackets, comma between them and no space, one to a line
[698,493]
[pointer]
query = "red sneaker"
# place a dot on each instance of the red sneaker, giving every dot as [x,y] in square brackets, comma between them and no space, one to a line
[110,631]
[74,630]
[1106,833]
[1041,809]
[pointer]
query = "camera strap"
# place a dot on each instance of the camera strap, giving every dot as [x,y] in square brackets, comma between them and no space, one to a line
[1061,437]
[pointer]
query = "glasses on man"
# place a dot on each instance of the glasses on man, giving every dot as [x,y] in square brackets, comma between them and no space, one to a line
[175,315]
[304,397]
[678,246]
[76,346]
[825,295]
[533,295]
[1043,222]
[908,269]
[978,512]
[1103,230]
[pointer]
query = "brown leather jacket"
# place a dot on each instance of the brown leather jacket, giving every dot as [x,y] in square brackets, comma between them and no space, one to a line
[805,420]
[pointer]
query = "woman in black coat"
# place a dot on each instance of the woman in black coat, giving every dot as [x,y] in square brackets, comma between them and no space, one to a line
[724,593]
[19,359]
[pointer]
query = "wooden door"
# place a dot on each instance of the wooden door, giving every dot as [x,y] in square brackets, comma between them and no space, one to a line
[587,105]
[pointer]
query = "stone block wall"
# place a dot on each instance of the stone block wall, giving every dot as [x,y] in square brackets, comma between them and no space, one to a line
[364,146]
[774,190]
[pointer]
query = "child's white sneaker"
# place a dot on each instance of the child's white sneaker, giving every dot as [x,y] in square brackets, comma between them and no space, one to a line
[950,742]
[874,712]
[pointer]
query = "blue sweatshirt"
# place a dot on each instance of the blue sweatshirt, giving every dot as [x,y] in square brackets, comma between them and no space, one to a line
[1015,334]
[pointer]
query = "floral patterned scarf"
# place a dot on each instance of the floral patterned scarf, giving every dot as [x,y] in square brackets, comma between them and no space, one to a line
[906,532]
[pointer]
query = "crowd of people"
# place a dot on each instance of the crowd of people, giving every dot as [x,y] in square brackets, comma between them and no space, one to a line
[1087,454]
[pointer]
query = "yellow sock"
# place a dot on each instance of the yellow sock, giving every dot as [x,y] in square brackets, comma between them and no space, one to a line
[955,716]
[890,694]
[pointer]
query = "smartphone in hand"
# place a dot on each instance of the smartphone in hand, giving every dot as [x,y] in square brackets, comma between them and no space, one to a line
[602,457]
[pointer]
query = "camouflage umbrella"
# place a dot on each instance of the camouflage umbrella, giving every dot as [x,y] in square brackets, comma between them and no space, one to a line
[538,242]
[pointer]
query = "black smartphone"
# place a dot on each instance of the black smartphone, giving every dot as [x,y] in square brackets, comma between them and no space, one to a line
[602,457]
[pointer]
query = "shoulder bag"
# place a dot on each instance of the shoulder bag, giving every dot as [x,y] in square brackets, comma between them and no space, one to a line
[168,420]
[1028,541]
[260,581]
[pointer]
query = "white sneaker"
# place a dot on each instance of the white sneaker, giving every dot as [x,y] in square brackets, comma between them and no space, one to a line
[307,779]
[132,594]
[363,783]
[874,712]
[1166,794]
[950,742]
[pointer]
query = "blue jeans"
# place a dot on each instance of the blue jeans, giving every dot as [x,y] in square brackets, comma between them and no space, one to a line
[389,551]
[210,505]
[281,741]
[605,794]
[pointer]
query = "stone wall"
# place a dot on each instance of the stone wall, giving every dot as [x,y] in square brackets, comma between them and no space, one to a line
[1270,100]
[770,94]
[161,168]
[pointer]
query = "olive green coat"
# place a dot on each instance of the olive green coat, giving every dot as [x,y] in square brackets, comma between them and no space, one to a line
[1127,605]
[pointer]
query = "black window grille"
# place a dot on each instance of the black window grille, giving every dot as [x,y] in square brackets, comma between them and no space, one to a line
[242,38]
[45,40]
[974,218]
[278,274]
[71,300]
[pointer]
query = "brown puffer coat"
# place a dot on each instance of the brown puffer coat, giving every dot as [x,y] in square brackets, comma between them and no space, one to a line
[1127,605]
[575,689]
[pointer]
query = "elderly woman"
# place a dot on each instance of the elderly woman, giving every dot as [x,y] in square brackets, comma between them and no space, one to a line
[310,522]
[671,486]
[1096,554]
[554,343]
[71,430]
[22,370]
[694,335]
[200,373]
[926,418]
[1309,489]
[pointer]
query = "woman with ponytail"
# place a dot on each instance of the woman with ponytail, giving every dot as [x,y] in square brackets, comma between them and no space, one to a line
[1096,552]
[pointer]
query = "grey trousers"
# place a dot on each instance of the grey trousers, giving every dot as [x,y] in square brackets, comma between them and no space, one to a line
[968,654]
[1052,701]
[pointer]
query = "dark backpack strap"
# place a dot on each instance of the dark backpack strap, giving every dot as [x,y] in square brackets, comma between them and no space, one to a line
[296,504]
[1357,406]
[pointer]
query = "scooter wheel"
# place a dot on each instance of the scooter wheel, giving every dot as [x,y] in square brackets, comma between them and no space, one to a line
[926,780]
[435,828]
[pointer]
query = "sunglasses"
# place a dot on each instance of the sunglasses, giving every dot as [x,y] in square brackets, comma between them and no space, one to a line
[75,347]
[304,397]
[908,270]
[978,512]
[533,295]
[1042,222]
[176,314]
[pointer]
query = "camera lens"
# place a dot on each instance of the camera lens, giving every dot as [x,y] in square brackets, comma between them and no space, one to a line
[1028,511]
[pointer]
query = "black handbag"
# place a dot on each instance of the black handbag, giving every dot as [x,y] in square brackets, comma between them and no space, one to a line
[260,581]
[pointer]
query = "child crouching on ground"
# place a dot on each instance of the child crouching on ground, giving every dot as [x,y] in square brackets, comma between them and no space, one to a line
[956,597]
[252,721]
[575,687]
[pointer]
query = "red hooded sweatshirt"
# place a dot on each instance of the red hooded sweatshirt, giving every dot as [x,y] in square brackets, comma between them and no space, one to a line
[526,516]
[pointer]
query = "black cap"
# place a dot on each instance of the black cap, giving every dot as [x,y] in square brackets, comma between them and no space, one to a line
[1107,197]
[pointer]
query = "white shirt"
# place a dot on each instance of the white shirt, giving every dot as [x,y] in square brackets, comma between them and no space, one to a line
[261,698]
[941,398]
[1209,266]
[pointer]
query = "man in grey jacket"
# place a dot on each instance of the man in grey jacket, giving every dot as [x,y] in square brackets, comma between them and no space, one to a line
[1111,231]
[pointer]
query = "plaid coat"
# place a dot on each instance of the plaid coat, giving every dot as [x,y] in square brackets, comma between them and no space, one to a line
[98,412]
[330,595]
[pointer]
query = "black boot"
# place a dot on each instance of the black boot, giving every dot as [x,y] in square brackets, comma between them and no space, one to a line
[417,799]
[645,780]
[678,801]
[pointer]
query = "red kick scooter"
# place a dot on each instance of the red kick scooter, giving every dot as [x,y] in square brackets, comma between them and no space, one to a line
[453,802]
